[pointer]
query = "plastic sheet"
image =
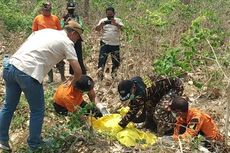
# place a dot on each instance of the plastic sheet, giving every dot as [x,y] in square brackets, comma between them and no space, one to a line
[129,136]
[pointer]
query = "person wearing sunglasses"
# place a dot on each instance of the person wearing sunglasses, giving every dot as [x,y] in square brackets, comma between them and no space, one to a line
[70,98]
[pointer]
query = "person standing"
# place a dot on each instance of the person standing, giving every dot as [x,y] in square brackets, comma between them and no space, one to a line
[26,71]
[72,15]
[48,20]
[110,28]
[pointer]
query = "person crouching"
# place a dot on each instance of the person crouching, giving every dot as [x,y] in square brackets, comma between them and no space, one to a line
[68,98]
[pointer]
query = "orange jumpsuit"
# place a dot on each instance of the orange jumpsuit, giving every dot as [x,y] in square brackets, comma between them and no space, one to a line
[68,97]
[43,22]
[195,122]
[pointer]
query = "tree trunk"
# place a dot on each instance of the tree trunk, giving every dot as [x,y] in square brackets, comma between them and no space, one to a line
[86,10]
[227,110]
[186,1]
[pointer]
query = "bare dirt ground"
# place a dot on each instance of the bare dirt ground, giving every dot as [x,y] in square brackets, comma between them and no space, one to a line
[211,101]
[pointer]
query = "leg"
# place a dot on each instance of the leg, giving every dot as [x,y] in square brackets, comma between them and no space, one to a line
[78,48]
[102,59]
[50,75]
[61,68]
[115,55]
[60,110]
[13,92]
[34,94]
[165,120]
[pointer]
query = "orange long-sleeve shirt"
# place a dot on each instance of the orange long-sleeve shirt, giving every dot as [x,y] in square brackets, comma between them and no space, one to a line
[68,97]
[195,122]
[43,22]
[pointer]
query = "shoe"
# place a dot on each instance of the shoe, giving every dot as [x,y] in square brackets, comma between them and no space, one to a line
[49,81]
[100,74]
[5,146]
[114,73]
[45,145]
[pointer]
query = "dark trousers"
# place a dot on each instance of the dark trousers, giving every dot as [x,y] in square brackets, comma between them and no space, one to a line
[78,49]
[61,68]
[63,111]
[105,51]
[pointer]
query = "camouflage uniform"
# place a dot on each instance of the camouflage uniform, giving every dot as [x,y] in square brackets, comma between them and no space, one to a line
[142,108]
[163,117]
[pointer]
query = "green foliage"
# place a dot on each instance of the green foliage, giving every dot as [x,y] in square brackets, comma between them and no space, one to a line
[169,63]
[196,141]
[176,61]
[13,17]
[76,118]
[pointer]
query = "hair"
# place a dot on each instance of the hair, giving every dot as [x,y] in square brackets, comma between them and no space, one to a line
[85,83]
[179,103]
[110,8]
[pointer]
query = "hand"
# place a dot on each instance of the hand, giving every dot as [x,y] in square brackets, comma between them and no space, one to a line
[116,129]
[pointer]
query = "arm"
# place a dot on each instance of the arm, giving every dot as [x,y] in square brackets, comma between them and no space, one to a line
[193,128]
[35,25]
[177,86]
[117,23]
[58,24]
[93,97]
[178,124]
[99,25]
[135,106]
[77,70]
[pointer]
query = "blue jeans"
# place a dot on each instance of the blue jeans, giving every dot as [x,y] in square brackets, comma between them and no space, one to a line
[16,82]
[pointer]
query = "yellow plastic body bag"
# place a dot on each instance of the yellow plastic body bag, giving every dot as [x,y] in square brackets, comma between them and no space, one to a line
[129,136]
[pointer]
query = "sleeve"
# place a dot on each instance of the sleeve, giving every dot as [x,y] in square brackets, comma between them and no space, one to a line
[70,52]
[177,86]
[35,25]
[69,106]
[193,127]
[58,24]
[119,22]
[102,20]
[178,124]
[135,108]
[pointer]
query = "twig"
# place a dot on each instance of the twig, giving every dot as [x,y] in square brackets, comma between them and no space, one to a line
[180,145]
[227,90]
[108,90]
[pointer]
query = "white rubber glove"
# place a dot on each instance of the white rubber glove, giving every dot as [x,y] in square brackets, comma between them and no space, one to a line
[102,109]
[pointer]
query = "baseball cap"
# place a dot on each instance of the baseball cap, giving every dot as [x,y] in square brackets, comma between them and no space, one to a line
[85,83]
[76,27]
[71,5]
[124,89]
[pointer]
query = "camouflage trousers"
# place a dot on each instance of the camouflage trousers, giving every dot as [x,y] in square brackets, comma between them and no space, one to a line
[164,119]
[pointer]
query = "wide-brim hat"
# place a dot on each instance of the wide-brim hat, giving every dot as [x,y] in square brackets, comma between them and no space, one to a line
[76,27]
[124,89]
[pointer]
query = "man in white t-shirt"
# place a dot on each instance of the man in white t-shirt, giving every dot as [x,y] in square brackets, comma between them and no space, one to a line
[26,71]
[110,28]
